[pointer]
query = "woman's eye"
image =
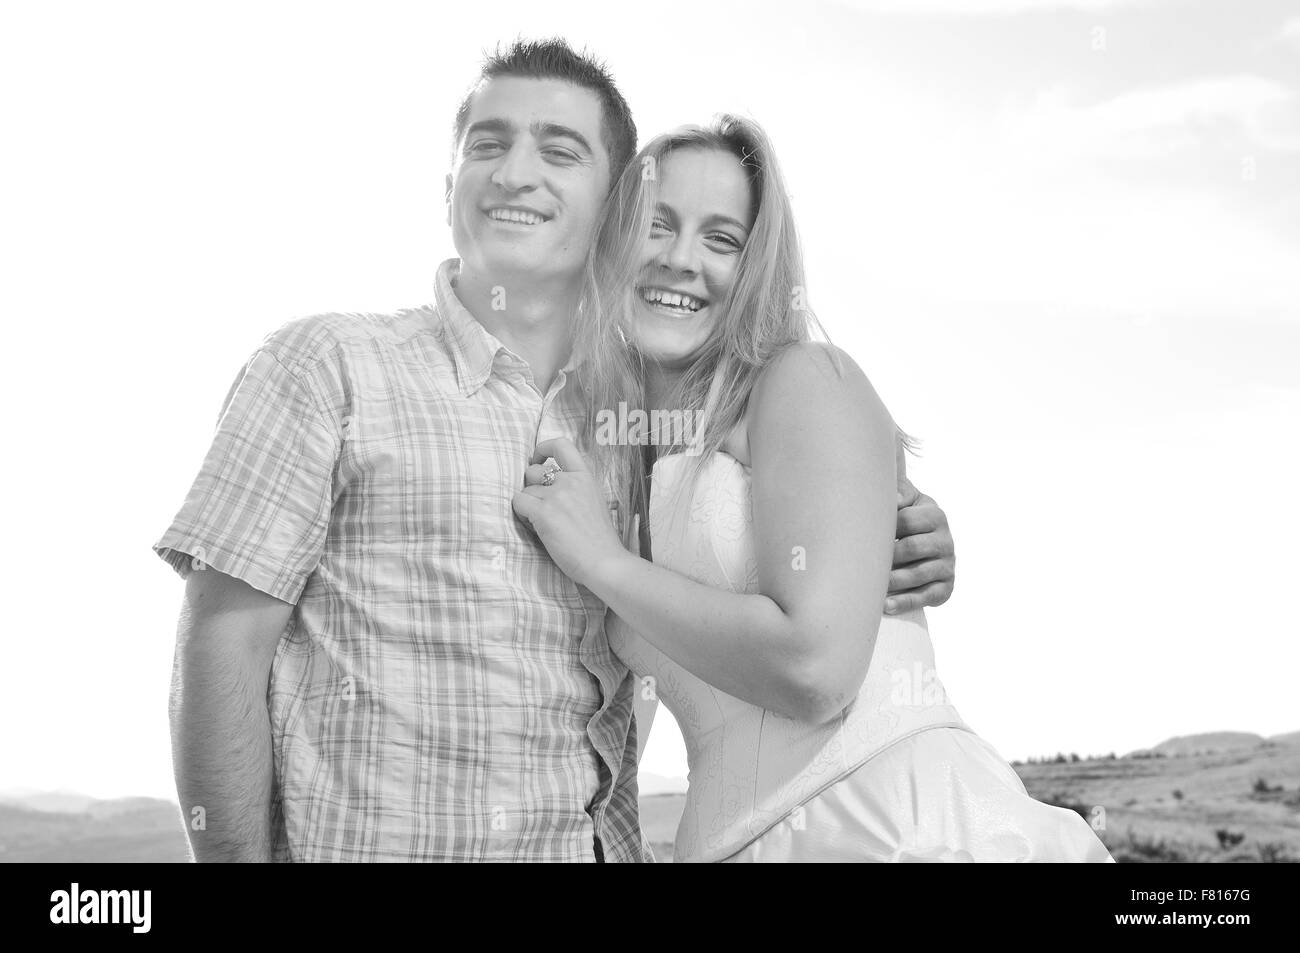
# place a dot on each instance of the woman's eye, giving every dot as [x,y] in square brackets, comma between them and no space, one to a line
[658,226]
[726,241]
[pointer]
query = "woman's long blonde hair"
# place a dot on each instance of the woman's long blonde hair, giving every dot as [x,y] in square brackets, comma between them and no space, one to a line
[765,310]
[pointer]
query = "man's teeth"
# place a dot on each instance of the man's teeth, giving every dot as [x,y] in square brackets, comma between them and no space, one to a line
[673,299]
[515,215]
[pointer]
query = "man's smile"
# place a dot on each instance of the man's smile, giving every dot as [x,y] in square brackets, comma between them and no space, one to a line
[516,215]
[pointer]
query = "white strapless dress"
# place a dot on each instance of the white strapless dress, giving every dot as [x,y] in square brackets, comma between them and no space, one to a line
[897,776]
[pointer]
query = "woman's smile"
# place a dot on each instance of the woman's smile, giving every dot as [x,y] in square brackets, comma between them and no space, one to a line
[676,303]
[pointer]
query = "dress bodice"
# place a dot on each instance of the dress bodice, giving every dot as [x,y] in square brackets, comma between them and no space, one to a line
[750,767]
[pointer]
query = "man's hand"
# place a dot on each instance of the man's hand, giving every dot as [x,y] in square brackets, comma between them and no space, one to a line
[924,560]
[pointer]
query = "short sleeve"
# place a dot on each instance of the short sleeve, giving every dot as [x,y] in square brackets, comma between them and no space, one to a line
[260,508]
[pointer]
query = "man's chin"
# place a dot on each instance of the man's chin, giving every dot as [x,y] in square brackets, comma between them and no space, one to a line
[524,262]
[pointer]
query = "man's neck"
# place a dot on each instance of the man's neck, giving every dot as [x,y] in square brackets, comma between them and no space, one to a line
[534,320]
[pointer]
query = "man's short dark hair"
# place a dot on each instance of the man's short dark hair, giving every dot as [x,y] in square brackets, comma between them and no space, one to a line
[555,59]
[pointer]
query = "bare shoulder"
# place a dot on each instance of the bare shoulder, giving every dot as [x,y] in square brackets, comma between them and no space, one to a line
[811,377]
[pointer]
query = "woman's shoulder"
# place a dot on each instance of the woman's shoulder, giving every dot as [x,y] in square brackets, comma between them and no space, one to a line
[810,377]
[803,358]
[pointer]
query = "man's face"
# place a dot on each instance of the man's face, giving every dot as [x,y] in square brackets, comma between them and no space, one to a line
[530,180]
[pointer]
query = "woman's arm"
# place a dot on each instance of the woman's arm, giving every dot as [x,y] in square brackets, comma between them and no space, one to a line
[824,497]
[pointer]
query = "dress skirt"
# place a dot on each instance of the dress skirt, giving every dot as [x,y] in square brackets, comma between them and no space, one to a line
[941,795]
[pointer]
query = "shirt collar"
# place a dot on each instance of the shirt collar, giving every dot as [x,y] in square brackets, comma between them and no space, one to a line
[474,350]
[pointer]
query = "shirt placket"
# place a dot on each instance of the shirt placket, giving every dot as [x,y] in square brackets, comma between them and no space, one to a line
[554,424]
[556,416]
[504,812]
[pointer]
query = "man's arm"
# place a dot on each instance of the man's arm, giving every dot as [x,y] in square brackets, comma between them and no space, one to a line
[221,730]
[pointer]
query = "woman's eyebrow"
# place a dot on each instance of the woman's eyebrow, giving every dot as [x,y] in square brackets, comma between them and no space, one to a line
[728,220]
[717,218]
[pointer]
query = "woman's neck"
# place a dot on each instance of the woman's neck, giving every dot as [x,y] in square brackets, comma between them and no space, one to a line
[660,382]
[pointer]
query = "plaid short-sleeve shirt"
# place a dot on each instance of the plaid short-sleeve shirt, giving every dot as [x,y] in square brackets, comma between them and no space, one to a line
[442,691]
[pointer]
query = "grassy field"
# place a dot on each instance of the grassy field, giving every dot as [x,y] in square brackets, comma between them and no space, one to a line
[1232,806]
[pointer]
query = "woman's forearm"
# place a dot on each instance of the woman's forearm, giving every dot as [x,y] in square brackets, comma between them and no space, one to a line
[743,644]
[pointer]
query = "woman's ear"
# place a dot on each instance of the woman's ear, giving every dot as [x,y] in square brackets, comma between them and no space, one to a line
[449,185]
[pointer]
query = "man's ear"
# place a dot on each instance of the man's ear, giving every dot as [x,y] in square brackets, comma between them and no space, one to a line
[449,185]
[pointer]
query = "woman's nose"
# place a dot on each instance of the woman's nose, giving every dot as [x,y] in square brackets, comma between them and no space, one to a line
[680,255]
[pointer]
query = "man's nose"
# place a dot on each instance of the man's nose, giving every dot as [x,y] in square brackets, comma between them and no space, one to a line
[518,170]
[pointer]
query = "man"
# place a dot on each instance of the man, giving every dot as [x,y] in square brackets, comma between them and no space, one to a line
[377,661]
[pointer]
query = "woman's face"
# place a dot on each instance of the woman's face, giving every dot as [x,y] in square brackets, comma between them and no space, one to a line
[689,259]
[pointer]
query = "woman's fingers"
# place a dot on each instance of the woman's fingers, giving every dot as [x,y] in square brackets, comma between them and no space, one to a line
[564,453]
[526,505]
[535,473]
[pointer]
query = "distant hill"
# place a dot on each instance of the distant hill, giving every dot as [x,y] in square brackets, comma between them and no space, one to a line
[126,830]
[650,784]
[1212,742]
[1290,738]
[57,802]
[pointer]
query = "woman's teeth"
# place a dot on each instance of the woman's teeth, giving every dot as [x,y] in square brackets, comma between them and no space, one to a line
[672,301]
[515,215]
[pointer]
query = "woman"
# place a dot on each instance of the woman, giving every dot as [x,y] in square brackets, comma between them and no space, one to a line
[815,727]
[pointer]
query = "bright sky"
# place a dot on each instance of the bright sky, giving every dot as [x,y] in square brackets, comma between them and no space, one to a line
[1063,239]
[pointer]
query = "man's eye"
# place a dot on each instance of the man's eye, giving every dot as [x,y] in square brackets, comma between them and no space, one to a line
[563,155]
[483,145]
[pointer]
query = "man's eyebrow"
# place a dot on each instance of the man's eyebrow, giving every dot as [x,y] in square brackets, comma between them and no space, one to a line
[542,130]
[553,130]
[489,125]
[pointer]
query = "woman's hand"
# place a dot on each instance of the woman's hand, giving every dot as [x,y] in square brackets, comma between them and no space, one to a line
[570,516]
